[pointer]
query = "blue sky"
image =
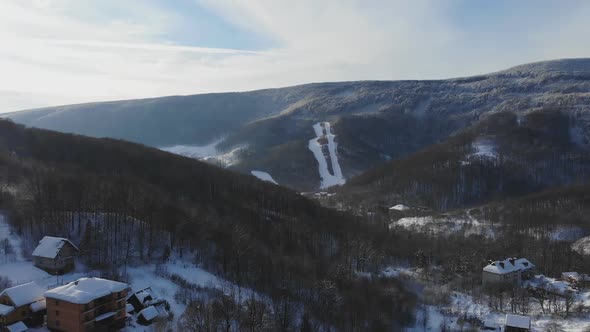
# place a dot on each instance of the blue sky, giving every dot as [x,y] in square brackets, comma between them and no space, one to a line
[71,51]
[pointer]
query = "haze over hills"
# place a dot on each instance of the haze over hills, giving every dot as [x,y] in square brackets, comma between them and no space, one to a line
[373,121]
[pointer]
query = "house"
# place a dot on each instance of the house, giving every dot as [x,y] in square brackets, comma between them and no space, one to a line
[22,303]
[516,323]
[142,299]
[55,255]
[151,314]
[87,304]
[507,272]
[491,325]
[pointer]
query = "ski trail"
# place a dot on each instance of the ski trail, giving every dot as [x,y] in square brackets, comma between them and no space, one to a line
[328,179]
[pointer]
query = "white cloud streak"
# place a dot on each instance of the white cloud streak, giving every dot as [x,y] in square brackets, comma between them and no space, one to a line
[70,51]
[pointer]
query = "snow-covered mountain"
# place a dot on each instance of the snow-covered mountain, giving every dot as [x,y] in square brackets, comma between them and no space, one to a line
[372,121]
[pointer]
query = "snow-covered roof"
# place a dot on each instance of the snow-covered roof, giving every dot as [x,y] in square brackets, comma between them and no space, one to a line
[522,322]
[143,294]
[129,307]
[149,313]
[5,309]
[400,207]
[509,265]
[39,305]
[85,290]
[17,327]
[24,294]
[50,246]
[550,284]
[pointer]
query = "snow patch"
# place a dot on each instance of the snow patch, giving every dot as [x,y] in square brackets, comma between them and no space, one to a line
[484,148]
[324,136]
[445,225]
[263,176]
[195,151]
[400,207]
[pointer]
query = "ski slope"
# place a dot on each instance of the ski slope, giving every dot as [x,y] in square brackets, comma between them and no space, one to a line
[328,178]
[263,176]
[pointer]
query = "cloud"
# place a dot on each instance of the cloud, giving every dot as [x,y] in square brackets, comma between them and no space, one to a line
[71,51]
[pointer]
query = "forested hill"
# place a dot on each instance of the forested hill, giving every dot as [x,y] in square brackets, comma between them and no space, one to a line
[259,235]
[504,155]
[373,121]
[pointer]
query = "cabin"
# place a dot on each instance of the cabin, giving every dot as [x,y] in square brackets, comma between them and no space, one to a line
[151,314]
[516,323]
[87,304]
[142,299]
[22,303]
[55,255]
[507,272]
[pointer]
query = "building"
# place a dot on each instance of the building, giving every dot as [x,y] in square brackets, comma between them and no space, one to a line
[151,314]
[16,327]
[507,272]
[516,323]
[55,255]
[88,304]
[22,303]
[142,299]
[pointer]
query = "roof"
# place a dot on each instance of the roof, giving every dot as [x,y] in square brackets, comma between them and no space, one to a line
[39,305]
[129,307]
[522,322]
[49,246]
[17,327]
[85,290]
[5,309]
[149,313]
[509,265]
[143,294]
[24,294]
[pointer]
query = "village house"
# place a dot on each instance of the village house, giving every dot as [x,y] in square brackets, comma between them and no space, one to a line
[22,303]
[516,323]
[142,299]
[16,327]
[507,272]
[88,304]
[151,314]
[55,255]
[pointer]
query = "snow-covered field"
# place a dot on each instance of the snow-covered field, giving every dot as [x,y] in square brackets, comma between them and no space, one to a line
[445,225]
[208,153]
[329,178]
[263,176]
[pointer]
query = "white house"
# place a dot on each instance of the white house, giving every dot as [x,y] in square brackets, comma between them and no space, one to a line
[508,271]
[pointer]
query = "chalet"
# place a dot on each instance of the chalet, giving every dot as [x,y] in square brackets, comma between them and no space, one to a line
[55,255]
[22,303]
[88,304]
[507,272]
[516,323]
[142,299]
[151,314]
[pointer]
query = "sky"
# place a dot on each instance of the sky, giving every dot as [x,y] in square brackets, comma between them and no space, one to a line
[55,52]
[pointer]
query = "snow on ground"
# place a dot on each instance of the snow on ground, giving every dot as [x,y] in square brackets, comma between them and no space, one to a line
[227,159]
[208,153]
[328,179]
[566,233]
[582,246]
[263,176]
[445,225]
[193,151]
[400,207]
[483,148]
[6,232]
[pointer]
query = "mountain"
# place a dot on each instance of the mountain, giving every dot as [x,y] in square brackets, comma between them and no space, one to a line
[371,121]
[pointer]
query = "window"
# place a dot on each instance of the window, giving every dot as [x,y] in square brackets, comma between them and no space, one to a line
[56,312]
[56,302]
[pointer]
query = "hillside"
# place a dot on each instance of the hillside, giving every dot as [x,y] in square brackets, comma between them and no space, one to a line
[373,121]
[127,205]
[504,155]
